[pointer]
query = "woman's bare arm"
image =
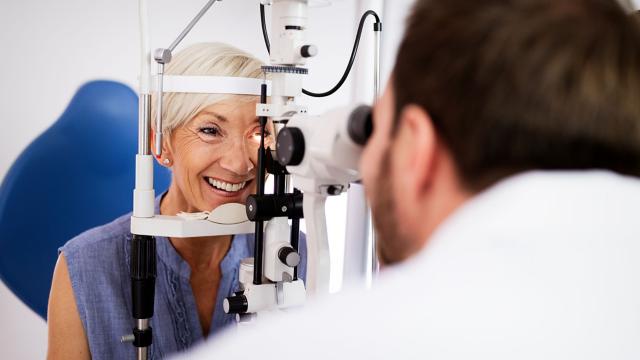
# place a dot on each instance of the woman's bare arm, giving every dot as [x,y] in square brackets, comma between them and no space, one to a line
[67,339]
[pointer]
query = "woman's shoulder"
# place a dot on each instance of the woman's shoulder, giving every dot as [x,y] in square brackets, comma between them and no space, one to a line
[97,265]
[99,242]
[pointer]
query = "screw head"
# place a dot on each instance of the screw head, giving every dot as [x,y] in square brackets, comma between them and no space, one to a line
[127,338]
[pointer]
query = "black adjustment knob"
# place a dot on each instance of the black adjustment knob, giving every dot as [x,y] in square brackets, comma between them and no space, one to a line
[142,338]
[237,304]
[308,51]
[360,124]
[266,207]
[288,256]
[143,257]
[290,146]
[251,207]
[143,275]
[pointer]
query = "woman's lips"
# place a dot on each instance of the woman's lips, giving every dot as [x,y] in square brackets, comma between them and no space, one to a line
[229,194]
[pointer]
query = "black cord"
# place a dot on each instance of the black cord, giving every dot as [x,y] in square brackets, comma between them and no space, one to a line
[264,29]
[354,51]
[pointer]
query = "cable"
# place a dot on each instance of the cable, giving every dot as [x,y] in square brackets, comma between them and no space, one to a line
[354,51]
[264,29]
[376,27]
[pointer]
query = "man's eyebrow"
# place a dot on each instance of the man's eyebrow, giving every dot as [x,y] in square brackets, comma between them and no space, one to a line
[216,115]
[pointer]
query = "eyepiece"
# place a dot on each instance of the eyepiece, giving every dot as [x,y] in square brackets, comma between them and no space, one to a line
[290,146]
[360,124]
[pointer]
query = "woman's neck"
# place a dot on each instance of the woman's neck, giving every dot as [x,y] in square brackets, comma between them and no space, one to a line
[201,253]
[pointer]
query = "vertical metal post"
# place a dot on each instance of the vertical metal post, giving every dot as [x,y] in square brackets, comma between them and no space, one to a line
[360,259]
[158,145]
[144,126]
[376,65]
[375,264]
[143,282]
[259,230]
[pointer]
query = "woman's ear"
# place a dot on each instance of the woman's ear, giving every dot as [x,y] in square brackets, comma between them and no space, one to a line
[166,158]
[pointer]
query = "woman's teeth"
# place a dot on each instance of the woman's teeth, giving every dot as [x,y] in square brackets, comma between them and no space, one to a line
[225,185]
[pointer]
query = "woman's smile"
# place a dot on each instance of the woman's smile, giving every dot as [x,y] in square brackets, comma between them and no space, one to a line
[231,191]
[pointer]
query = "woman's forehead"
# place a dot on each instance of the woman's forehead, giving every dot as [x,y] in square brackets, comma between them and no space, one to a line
[231,111]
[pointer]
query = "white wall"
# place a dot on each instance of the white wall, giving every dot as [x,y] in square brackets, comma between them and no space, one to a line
[50,48]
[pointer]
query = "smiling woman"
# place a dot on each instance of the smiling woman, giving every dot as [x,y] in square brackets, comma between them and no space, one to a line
[210,144]
[213,156]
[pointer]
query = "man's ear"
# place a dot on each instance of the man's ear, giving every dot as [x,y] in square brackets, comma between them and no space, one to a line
[414,152]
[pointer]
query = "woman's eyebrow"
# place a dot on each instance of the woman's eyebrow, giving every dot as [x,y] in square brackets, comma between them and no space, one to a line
[216,115]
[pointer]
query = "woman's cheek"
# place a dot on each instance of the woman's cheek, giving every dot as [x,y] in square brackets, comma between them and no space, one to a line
[208,152]
[253,187]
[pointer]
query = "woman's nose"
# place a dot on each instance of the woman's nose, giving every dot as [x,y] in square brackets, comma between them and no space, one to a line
[237,159]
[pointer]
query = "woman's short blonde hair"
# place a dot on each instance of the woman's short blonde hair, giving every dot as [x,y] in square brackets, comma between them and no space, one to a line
[213,59]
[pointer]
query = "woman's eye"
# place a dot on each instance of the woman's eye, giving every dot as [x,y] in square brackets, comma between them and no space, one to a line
[257,134]
[267,136]
[211,131]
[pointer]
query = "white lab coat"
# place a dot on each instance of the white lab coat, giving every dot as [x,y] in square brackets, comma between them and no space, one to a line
[544,265]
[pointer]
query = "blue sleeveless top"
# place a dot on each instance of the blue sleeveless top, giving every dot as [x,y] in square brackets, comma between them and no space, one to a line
[98,262]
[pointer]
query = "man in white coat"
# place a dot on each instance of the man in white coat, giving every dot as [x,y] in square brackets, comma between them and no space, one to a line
[502,174]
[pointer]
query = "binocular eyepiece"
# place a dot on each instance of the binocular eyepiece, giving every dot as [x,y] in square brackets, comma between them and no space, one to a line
[360,124]
[355,128]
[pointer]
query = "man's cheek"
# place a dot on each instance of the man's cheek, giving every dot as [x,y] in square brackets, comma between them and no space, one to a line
[365,167]
[366,175]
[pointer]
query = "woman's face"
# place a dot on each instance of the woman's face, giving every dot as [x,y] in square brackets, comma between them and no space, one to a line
[215,155]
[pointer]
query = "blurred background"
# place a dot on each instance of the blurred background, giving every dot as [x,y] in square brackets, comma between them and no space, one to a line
[51,48]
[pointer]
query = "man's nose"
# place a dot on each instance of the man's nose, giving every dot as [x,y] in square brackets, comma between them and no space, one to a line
[237,158]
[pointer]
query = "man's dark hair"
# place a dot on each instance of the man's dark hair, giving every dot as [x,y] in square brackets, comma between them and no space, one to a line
[516,85]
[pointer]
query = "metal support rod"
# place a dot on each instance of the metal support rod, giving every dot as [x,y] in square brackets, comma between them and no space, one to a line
[375,264]
[287,184]
[143,352]
[259,231]
[190,26]
[143,276]
[360,257]
[158,144]
[295,237]
[144,124]
[376,66]
[143,324]
[144,107]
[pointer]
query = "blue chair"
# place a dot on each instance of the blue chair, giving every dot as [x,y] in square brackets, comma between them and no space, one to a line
[77,175]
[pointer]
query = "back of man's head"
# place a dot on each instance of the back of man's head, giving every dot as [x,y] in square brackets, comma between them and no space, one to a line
[515,85]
